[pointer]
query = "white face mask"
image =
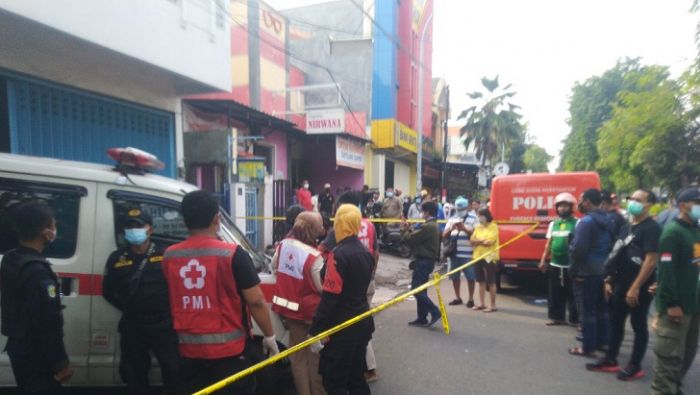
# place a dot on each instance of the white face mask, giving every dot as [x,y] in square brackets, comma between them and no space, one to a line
[306,186]
[53,234]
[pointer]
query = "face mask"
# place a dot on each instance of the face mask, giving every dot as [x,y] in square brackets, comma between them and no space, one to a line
[53,234]
[635,208]
[482,220]
[306,186]
[695,212]
[136,236]
[390,194]
[418,200]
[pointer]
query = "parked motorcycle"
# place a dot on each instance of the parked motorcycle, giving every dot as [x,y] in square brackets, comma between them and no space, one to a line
[390,242]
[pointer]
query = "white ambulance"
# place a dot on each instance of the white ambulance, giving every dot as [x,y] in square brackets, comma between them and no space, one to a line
[89,201]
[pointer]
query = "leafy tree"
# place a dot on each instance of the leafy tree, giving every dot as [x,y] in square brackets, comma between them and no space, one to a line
[590,106]
[536,159]
[492,123]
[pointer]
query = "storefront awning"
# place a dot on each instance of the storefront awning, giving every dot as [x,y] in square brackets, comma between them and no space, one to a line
[212,103]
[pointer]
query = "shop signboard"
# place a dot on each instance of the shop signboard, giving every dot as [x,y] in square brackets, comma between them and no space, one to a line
[349,153]
[406,137]
[325,121]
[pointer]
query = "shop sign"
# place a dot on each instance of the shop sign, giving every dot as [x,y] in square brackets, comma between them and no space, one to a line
[349,153]
[406,137]
[325,121]
[251,170]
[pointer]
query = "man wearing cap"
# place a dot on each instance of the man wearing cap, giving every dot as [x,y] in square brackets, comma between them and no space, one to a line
[677,295]
[134,283]
[326,201]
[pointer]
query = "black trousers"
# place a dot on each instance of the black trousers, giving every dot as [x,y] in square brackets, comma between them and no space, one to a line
[138,341]
[619,310]
[32,374]
[197,374]
[342,367]
[561,296]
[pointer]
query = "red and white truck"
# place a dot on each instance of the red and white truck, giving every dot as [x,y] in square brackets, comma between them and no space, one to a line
[519,201]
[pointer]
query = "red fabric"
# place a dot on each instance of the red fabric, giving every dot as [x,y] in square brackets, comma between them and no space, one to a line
[366,235]
[332,283]
[304,198]
[292,288]
[203,297]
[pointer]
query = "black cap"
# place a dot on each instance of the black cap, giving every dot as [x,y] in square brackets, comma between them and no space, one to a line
[138,216]
[691,194]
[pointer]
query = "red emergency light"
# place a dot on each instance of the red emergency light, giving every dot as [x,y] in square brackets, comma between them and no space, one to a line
[134,159]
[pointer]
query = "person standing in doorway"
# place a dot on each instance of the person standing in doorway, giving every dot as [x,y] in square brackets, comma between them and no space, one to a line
[304,196]
[677,296]
[326,201]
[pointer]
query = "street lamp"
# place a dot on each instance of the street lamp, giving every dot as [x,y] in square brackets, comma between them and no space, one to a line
[419,167]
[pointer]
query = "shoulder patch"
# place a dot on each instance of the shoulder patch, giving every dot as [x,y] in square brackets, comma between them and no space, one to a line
[666,257]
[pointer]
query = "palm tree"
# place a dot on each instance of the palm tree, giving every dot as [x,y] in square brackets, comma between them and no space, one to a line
[493,122]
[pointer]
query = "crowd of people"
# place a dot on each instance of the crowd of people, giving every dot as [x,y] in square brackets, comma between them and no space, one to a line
[604,268]
[191,305]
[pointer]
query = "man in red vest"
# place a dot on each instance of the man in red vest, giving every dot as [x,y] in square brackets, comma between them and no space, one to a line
[213,289]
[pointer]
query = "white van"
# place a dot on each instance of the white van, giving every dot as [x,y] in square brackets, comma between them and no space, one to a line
[89,201]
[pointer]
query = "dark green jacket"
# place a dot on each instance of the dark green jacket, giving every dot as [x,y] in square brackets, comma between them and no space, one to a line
[425,241]
[679,257]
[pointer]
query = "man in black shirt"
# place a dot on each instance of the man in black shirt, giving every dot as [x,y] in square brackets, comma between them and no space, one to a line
[32,317]
[629,276]
[134,283]
[326,201]
[609,205]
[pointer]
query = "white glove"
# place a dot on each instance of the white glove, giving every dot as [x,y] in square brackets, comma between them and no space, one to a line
[269,345]
[316,347]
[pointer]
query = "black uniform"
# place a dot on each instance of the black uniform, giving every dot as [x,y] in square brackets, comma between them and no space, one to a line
[325,203]
[146,324]
[342,364]
[32,320]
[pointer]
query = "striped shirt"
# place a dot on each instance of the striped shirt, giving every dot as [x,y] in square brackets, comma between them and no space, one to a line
[464,246]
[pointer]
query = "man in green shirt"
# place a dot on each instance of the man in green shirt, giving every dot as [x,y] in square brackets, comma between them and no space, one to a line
[677,295]
[425,244]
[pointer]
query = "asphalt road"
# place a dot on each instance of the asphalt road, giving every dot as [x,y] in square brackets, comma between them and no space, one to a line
[507,352]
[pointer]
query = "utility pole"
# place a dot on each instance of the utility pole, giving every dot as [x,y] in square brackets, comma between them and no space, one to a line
[445,139]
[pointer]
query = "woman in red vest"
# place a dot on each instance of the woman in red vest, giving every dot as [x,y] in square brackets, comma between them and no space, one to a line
[298,265]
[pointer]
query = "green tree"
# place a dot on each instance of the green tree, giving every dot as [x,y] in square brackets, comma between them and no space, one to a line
[590,106]
[493,123]
[536,159]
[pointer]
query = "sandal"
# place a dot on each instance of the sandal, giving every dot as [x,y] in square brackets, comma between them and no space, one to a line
[555,323]
[477,308]
[455,302]
[578,351]
[490,310]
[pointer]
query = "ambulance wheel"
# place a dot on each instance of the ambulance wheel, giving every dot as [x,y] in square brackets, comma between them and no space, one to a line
[272,379]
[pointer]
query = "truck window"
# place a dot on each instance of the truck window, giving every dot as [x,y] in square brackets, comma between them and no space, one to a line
[63,199]
[168,226]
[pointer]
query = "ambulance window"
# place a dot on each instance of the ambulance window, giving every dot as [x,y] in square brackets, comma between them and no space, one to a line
[168,225]
[64,200]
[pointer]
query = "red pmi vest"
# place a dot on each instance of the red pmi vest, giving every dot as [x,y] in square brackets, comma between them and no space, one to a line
[295,295]
[366,235]
[206,307]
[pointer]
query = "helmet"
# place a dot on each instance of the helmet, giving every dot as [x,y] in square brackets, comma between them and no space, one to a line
[461,203]
[565,197]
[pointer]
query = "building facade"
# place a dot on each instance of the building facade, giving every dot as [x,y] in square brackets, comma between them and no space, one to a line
[77,78]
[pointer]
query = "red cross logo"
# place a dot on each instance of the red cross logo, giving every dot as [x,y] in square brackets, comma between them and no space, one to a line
[193,274]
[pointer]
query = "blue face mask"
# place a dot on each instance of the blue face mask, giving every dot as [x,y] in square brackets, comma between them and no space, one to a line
[635,208]
[136,236]
[695,213]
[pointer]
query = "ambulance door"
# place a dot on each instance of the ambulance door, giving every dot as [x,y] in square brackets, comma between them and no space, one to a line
[114,203]
[73,204]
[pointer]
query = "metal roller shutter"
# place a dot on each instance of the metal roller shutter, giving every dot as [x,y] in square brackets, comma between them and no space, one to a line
[51,121]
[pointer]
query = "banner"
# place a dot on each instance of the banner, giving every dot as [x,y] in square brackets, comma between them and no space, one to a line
[349,153]
[325,121]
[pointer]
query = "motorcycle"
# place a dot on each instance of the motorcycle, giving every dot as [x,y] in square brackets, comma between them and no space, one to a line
[391,242]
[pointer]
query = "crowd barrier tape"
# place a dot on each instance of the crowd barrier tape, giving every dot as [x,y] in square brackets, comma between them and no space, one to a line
[323,335]
[388,220]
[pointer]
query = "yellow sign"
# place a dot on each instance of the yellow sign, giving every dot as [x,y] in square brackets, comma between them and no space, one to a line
[406,137]
[251,170]
[390,133]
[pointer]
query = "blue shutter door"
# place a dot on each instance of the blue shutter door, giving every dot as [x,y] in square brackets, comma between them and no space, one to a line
[61,123]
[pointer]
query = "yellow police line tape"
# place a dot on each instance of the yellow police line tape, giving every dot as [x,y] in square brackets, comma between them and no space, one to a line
[284,354]
[387,220]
